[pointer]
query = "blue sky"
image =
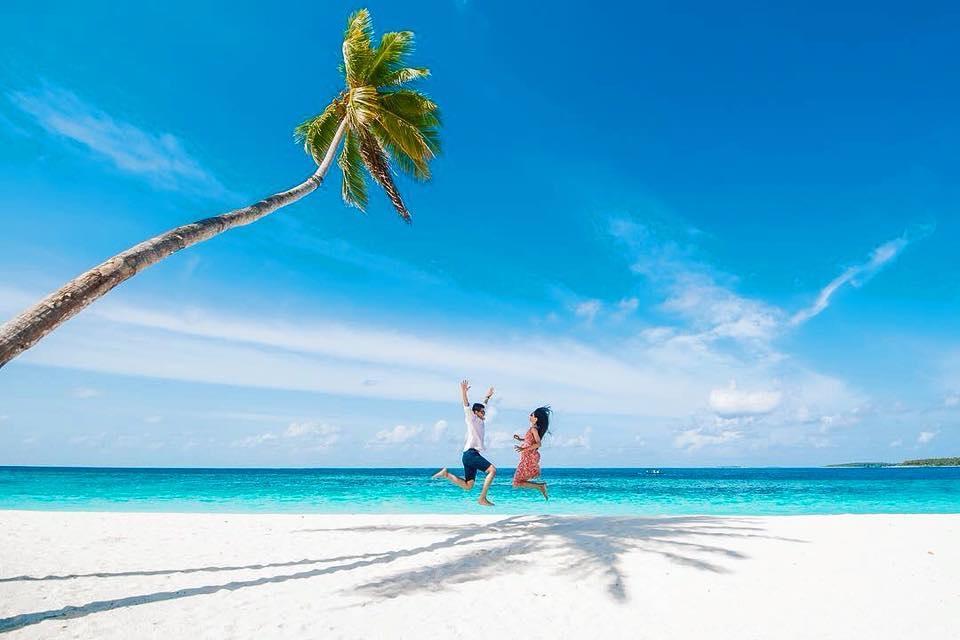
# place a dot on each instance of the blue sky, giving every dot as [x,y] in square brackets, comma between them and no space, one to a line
[705,235]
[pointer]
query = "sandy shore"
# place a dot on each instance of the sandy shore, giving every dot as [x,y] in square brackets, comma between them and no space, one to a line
[115,575]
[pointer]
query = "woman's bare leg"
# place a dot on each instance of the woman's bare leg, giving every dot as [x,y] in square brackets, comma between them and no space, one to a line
[539,486]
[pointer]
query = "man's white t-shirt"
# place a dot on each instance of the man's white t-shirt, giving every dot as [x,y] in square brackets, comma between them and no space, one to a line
[474,430]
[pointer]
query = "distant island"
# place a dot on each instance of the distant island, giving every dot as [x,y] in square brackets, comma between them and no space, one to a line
[924,462]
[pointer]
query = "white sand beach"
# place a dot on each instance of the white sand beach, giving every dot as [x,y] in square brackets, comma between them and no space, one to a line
[143,575]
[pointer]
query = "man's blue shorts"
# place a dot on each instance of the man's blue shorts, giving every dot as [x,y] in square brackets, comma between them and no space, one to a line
[473,462]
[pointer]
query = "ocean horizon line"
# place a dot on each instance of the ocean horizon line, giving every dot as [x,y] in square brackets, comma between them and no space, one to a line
[434,468]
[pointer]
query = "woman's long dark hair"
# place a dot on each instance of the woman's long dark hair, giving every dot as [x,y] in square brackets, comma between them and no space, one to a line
[542,414]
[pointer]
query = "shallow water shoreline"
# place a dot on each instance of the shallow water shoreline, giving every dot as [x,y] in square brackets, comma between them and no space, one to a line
[670,491]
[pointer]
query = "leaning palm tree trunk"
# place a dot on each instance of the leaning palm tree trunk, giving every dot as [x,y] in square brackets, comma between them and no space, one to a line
[21,333]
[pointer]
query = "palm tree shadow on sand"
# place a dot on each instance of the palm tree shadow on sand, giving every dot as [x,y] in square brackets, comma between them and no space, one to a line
[585,545]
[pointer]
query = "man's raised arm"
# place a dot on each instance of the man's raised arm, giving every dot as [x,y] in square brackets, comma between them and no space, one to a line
[464,387]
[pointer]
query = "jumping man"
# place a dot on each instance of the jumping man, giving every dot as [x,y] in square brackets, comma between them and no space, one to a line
[472,460]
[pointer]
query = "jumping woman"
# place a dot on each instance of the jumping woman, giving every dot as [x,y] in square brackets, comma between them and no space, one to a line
[529,448]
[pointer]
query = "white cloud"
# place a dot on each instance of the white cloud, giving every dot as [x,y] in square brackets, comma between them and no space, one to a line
[439,429]
[499,440]
[160,158]
[952,400]
[855,276]
[588,310]
[398,435]
[626,307]
[836,421]
[820,442]
[581,441]
[153,419]
[714,311]
[731,402]
[254,440]
[697,438]
[83,393]
[896,443]
[657,335]
[333,357]
[926,436]
[717,312]
[636,377]
[310,436]
[89,439]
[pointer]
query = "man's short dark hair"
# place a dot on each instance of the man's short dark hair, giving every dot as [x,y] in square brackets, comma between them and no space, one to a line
[478,407]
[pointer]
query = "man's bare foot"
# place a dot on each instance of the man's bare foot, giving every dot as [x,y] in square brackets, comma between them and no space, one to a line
[543,490]
[440,474]
[485,503]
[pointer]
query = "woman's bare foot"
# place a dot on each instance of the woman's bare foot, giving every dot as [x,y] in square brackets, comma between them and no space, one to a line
[485,503]
[543,490]
[440,474]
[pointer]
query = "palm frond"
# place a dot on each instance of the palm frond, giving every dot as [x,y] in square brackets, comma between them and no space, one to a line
[363,105]
[415,168]
[411,105]
[417,110]
[354,187]
[316,134]
[391,54]
[405,135]
[404,75]
[376,162]
[357,52]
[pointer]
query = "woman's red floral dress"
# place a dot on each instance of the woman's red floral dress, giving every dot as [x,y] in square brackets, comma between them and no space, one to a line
[529,466]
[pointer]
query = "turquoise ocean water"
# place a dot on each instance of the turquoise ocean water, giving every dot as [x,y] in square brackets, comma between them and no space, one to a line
[723,491]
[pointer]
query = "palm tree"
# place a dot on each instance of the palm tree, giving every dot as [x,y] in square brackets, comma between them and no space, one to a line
[380,122]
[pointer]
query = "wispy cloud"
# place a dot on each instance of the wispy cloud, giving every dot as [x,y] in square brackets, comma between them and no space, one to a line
[707,301]
[580,441]
[303,436]
[439,430]
[853,276]
[499,440]
[716,312]
[625,307]
[82,393]
[159,158]
[926,436]
[733,402]
[397,435]
[588,310]
[699,437]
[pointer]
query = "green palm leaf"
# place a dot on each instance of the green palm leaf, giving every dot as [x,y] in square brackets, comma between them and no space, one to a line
[376,162]
[354,188]
[384,124]
[357,52]
[316,134]
[404,76]
[389,56]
